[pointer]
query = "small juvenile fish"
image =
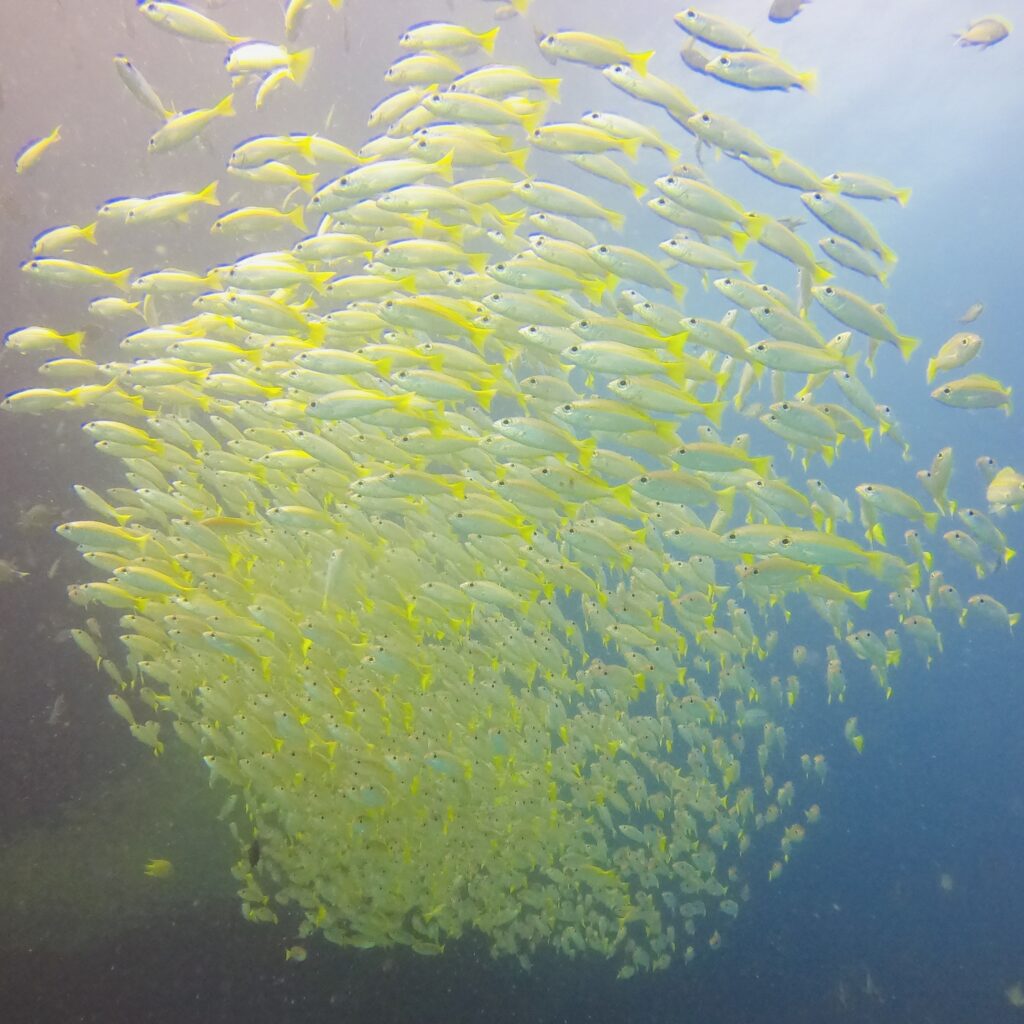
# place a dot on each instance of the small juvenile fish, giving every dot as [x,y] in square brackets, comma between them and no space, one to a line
[30,154]
[960,349]
[972,313]
[159,869]
[785,10]
[984,32]
[975,391]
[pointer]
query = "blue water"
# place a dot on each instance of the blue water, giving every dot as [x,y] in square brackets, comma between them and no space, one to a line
[859,928]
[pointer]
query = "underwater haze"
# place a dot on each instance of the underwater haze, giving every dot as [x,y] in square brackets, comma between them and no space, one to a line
[500,578]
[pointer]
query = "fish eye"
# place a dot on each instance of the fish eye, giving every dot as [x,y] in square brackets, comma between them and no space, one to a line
[829,290]
[531,330]
[706,118]
[690,13]
[724,61]
[947,391]
[506,422]
[760,347]
[566,408]
[818,196]
[574,349]
[603,250]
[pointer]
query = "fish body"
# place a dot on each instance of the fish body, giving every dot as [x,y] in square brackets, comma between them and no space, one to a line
[32,153]
[985,32]
[959,350]
[760,71]
[853,311]
[975,391]
[842,218]
[181,20]
[137,85]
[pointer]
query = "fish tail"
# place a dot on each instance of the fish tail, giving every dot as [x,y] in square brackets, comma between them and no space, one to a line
[594,290]
[821,272]
[931,521]
[89,232]
[639,189]
[297,215]
[74,341]
[226,107]
[808,81]
[631,147]
[903,196]
[775,156]
[209,195]
[616,219]
[906,345]
[517,158]
[929,374]
[443,167]
[747,266]
[299,62]
[713,411]
[120,278]
[639,60]
[486,40]
[740,240]
[307,182]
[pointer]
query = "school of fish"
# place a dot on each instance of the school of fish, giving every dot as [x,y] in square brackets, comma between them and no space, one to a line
[428,542]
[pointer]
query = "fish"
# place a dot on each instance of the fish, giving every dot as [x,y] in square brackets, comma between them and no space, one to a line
[181,20]
[975,391]
[984,32]
[866,186]
[442,35]
[760,71]
[972,313]
[842,218]
[584,48]
[959,350]
[135,82]
[182,128]
[159,868]
[31,153]
[782,11]
[988,609]
[853,311]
